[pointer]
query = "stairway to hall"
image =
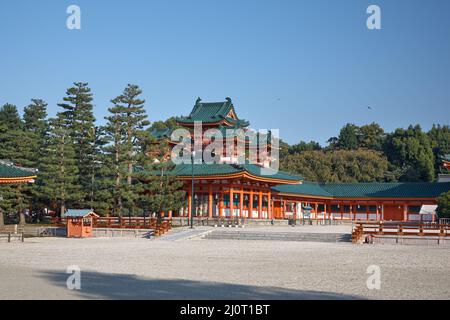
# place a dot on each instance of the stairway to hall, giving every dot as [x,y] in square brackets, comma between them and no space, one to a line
[277,236]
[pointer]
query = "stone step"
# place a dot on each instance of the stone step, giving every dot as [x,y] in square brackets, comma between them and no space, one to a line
[278,236]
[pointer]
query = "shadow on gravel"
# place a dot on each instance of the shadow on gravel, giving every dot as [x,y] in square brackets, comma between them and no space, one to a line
[118,286]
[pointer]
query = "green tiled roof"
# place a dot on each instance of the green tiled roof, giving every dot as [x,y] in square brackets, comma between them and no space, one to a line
[162,133]
[446,157]
[78,213]
[306,188]
[227,169]
[367,190]
[211,112]
[10,171]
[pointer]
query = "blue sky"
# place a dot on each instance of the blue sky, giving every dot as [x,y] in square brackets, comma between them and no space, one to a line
[304,67]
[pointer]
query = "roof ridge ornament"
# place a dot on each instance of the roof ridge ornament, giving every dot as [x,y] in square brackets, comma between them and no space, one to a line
[197,102]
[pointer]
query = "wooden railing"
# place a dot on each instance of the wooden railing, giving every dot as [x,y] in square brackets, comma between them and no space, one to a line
[160,227]
[357,233]
[400,229]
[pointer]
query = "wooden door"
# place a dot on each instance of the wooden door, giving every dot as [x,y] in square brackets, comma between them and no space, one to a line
[393,213]
[277,210]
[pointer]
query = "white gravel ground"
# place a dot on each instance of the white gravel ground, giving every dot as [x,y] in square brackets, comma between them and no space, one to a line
[207,269]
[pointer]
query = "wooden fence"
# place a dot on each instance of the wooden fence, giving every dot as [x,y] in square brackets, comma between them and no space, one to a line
[400,229]
[160,227]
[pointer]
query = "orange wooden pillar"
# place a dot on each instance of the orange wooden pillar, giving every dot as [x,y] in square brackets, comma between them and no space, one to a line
[316,215]
[231,202]
[269,206]
[210,201]
[220,204]
[405,212]
[189,205]
[250,205]
[241,203]
[260,205]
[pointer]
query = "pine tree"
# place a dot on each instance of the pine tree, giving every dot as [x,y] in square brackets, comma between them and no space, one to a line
[60,171]
[11,132]
[79,118]
[36,131]
[125,128]
[102,199]
[13,146]
[159,189]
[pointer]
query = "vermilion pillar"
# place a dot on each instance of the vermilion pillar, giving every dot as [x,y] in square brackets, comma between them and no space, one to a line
[231,202]
[210,202]
[260,205]
[250,205]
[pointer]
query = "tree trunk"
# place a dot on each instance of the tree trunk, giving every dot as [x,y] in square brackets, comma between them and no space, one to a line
[63,209]
[22,221]
[2,221]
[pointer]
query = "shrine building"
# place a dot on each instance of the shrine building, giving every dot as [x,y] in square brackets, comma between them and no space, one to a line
[229,189]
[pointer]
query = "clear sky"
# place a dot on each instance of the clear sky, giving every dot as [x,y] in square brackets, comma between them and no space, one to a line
[305,67]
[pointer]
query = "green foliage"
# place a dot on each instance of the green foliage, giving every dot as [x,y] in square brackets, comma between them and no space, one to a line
[348,137]
[338,165]
[371,136]
[170,123]
[160,191]
[304,146]
[411,150]
[443,209]
[440,142]
[77,114]
[59,176]
[125,131]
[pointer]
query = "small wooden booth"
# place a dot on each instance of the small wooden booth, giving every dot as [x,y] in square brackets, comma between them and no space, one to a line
[80,223]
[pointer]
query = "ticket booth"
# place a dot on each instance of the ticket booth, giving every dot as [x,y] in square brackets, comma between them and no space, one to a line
[80,223]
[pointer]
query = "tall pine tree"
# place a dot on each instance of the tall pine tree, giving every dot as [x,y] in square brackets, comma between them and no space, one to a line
[60,171]
[79,118]
[125,130]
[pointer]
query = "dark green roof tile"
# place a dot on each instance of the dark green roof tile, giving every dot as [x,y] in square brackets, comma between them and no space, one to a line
[226,169]
[211,112]
[367,190]
[9,171]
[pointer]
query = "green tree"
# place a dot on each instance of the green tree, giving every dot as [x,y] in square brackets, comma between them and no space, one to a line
[160,190]
[11,132]
[338,165]
[411,151]
[36,129]
[60,182]
[348,137]
[304,146]
[443,209]
[440,142]
[78,116]
[371,136]
[125,130]
[13,145]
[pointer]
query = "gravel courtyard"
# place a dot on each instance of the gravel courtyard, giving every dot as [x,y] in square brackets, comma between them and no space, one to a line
[126,268]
